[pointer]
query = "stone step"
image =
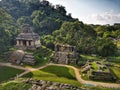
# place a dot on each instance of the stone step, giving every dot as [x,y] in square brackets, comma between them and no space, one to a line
[29,56]
[29,59]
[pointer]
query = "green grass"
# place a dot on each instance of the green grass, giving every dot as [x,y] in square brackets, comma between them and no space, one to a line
[85,76]
[15,86]
[6,73]
[95,66]
[60,71]
[118,44]
[116,71]
[2,60]
[90,57]
[56,74]
[114,59]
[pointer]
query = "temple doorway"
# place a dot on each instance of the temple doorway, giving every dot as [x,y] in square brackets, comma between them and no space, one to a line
[24,43]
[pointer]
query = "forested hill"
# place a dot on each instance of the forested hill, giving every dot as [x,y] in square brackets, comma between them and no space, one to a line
[43,16]
[53,24]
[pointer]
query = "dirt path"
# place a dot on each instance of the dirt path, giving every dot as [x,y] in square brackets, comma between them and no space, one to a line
[13,66]
[78,76]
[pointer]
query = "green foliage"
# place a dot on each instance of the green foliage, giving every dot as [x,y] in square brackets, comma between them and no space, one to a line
[44,17]
[116,71]
[7,30]
[7,73]
[114,59]
[42,56]
[77,34]
[15,86]
[108,31]
[48,41]
[105,47]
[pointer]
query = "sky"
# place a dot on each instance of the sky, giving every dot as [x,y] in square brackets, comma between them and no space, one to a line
[92,11]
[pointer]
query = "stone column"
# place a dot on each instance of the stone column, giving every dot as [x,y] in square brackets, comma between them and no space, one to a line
[27,43]
[17,43]
[21,43]
[32,43]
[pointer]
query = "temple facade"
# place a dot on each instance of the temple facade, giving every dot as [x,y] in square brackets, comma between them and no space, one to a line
[65,54]
[28,39]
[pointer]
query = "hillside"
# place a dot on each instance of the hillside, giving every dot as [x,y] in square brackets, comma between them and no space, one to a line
[54,25]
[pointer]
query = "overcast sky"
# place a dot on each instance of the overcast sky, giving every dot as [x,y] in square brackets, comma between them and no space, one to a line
[92,11]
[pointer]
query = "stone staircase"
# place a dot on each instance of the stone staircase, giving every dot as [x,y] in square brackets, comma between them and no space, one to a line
[29,59]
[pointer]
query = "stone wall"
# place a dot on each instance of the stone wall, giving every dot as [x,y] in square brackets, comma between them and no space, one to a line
[104,76]
[19,56]
[16,57]
[65,54]
[49,85]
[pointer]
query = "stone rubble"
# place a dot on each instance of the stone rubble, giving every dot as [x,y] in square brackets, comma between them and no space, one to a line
[49,85]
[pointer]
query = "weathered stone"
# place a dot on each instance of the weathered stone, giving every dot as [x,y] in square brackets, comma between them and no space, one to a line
[49,83]
[39,88]
[56,84]
[65,54]
[34,87]
[28,39]
[52,86]
[17,56]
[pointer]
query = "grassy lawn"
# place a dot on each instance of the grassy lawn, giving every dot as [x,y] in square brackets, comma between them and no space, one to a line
[116,71]
[15,86]
[56,74]
[7,73]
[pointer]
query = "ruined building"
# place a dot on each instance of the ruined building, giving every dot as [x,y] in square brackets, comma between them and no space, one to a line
[20,56]
[27,39]
[65,54]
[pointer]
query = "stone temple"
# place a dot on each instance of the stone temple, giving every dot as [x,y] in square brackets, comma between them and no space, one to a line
[65,54]
[27,39]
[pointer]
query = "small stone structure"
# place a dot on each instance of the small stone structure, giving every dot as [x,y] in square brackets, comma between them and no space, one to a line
[65,54]
[27,39]
[103,76]
[19,56]
[102,73]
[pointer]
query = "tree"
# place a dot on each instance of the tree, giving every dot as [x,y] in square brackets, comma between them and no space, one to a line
[7,30]
[77,34]
[100,30]
[61,9]
[105,47]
